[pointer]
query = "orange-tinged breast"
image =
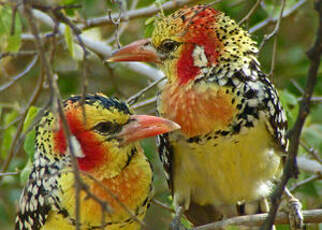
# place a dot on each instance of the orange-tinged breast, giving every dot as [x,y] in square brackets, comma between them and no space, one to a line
[129,189]
[199,109]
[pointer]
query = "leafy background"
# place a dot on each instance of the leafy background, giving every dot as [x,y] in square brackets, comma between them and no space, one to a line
[295,37]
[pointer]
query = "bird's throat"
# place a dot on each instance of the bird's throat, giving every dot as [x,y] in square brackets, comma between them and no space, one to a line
[197,109]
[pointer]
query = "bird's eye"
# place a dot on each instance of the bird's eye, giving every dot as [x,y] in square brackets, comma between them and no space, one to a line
[106,127]
[168,46]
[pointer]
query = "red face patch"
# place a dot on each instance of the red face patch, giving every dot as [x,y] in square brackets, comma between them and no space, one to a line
[91,147]
[199,32]
[185,67]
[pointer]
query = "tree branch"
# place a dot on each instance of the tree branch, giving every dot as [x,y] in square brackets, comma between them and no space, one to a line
[305,181]
[277,27]
[20,75]
[13,146]
[310,216]
[250,13]
[98,47]
[132,14]
[291,170]
[270,20]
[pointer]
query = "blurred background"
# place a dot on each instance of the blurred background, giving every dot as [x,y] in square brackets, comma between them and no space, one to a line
[20,69]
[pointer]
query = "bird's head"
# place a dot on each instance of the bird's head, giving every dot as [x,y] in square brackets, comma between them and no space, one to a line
[104,132]
[189,42]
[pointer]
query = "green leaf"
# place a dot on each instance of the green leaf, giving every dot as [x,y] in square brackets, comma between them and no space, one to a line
[10,43]
[29,144]
[148,30]
[32,113]
[291,106]
[4,20]
[69,40]
[8,133]
[313,136]
[231,227]
[186,223]
[14,41]
[24,174]
[149,26]
[148,147]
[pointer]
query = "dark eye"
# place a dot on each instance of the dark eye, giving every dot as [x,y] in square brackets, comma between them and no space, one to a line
[106,127]
[168,46]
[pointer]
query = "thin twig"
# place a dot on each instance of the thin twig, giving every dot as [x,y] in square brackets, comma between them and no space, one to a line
[123,25]
[270,20]
[162,205]
[277,27]
[310,216]
[13,147]
[116,21]
[290,170]
[20,75]
[98,47]
[316,100]
[305,181]
[9,174]
[133,99]
[308,165]
[214,2]
[132,14]
[250,13]
[18,54]
[13,18]
[144,103]
[310,150]
[274,52]
[297,86]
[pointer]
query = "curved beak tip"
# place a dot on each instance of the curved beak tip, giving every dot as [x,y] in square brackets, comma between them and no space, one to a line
[143,126]
[174,126]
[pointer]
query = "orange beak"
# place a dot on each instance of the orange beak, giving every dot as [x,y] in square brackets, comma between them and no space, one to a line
[143,126]
[141,51]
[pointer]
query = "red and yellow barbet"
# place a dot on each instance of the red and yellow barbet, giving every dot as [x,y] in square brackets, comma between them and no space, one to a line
[106,146]
[232,140]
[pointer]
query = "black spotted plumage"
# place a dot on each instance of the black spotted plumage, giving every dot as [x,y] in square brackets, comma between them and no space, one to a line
[165,150]
[40,195]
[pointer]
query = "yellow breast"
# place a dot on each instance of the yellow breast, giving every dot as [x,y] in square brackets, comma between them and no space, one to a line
[225,170]
[130,189]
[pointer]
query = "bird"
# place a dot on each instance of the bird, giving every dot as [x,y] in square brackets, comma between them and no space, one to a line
[232,142]
[105,136]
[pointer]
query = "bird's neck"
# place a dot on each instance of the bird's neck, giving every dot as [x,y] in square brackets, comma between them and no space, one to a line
[197,108]
[130,187]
